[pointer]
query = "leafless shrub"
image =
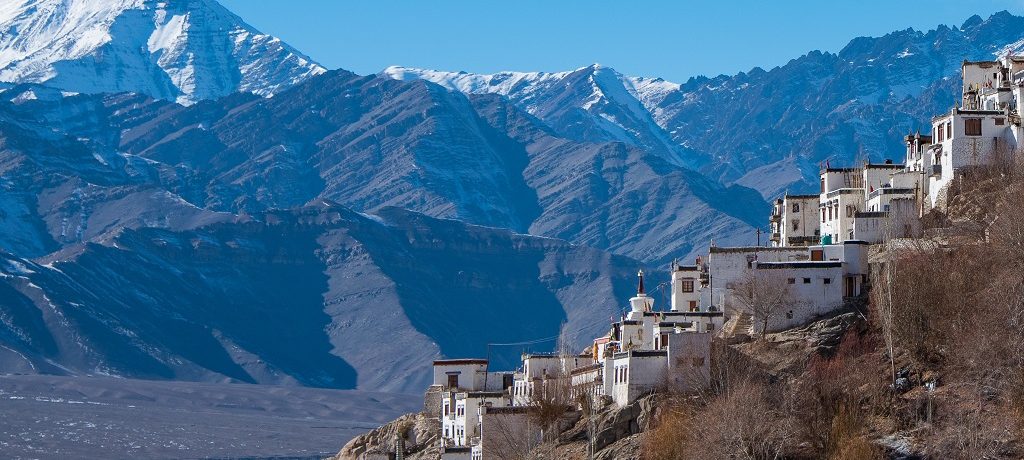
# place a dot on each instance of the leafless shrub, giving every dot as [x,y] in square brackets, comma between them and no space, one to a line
[764,294]
[508,435]
[970,432]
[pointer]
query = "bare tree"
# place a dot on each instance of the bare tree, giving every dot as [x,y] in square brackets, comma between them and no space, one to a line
[508,433]
[764,294]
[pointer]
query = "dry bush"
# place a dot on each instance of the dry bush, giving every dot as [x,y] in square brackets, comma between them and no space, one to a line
[839,393]
[924,298]
[736,415]
[971,431]
[858,448]
[508,436]
[959,312]
[729,370]
[667,440]
[745,423]
[550,401]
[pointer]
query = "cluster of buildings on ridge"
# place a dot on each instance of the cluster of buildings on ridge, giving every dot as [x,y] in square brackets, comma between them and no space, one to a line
[819,253]
[878,201]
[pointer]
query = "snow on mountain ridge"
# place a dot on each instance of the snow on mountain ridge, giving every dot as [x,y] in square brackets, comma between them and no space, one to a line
[183,50]
[592,104]
[503,83]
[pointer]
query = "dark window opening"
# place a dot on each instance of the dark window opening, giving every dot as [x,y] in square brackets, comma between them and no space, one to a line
[972,126]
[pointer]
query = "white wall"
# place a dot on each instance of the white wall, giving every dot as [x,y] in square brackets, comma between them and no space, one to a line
[463,425]
[638,373]
[804,213]
[685,275]
[727,266]
[979,74]
[689,360]
[813,292]
[844,204]
[470,375]
[877,176]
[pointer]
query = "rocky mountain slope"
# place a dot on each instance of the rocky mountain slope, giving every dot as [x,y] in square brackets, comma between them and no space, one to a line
[144,242]
[766,129]
[182,50]
[365,142]
[312,296]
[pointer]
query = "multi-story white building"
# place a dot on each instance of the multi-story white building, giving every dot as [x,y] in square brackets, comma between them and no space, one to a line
[818,279]
[460,387]
[984,125]
[841,195]
[794,221]
[649,348]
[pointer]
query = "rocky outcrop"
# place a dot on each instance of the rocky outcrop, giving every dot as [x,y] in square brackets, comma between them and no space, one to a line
[616,432]
[789,350]
[419,434]
[616,424]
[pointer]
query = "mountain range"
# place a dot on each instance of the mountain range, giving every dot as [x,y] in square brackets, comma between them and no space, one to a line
[184,197]
[769,130]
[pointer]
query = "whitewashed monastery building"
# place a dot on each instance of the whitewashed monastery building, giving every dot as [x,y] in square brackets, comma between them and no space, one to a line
[877,201]
[818,258]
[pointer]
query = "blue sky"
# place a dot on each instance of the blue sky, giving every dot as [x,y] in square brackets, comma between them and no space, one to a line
[670,39]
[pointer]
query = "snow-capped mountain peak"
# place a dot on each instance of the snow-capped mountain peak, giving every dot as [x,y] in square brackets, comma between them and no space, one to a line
[592,103]
[183,50]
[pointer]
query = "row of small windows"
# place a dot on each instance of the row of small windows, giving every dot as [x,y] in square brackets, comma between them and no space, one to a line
[850,210]
[621,374]
[808,281]
[972,127]
[456,433]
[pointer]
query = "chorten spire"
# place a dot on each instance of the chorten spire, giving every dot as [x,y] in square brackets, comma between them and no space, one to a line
[641,302]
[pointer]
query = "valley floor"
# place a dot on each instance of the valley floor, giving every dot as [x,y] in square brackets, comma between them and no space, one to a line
[100,417]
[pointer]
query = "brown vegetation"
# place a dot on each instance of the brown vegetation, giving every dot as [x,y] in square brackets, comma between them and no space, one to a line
[940,364]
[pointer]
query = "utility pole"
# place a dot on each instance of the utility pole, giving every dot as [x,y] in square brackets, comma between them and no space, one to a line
[759,236]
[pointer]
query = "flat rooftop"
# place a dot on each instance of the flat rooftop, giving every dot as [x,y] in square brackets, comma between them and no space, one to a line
[799,264]
[459,362]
